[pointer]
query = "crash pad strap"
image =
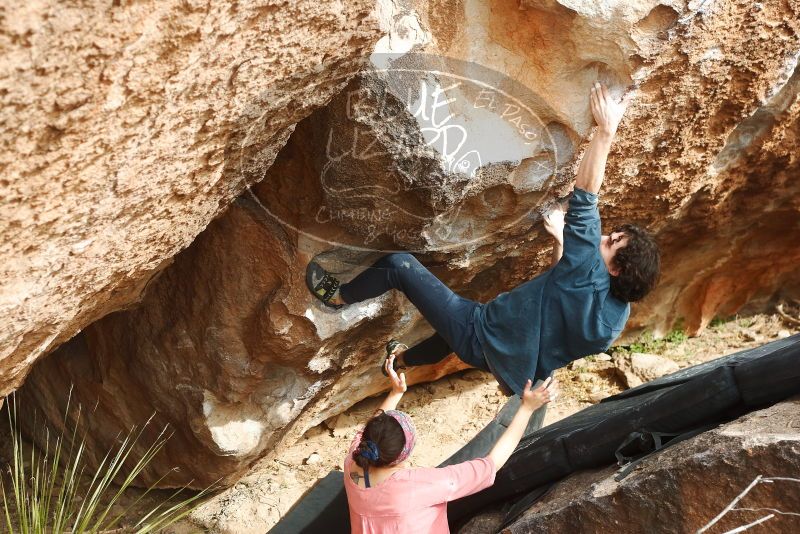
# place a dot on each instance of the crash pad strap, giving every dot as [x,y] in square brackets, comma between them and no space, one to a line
[675,438]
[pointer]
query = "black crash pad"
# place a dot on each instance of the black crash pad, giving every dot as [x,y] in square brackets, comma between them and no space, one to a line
[699,396]
[323,509]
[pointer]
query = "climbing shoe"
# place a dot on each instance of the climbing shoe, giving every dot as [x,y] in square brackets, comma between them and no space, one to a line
[391,346]
[322,284]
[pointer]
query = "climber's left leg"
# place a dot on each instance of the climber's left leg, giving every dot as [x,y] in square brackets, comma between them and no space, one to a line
[449,314]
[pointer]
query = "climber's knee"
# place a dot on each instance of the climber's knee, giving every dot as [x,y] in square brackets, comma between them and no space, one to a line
[400,260]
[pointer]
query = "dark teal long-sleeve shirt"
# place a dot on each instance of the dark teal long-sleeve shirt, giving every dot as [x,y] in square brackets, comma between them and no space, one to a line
[563,314]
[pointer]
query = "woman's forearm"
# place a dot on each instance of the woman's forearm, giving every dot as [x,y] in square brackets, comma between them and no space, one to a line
[391,401]
[505,446]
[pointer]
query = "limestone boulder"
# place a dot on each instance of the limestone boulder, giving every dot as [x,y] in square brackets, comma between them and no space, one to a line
[227,347]
[637,368]
[119,124]
[228,350]
[741,473]
[470,123]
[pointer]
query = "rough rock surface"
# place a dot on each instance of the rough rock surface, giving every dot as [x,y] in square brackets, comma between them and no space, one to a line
[637,368]
[227,346]
[119,121]
[685,487]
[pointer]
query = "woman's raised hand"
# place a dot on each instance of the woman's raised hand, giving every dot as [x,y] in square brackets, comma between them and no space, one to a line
[533,399]
[398,381]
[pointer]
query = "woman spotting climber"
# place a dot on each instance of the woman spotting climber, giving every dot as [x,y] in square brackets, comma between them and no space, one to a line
[576,308]
[385,495]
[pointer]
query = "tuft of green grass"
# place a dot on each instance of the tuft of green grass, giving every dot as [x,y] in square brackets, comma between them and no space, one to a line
[676,336]
[649,344]
[645,343]
[716,322]
[47,495]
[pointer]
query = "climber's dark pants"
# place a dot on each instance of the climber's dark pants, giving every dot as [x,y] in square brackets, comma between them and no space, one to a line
[428,351]
[450,315]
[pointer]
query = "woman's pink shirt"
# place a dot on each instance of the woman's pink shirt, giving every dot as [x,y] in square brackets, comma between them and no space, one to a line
[412,500]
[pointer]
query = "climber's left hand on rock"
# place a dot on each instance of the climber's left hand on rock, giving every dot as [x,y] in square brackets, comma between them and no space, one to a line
[554,222]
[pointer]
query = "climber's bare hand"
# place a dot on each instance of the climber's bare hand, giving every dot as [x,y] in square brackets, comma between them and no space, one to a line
[398,380]
[606,110]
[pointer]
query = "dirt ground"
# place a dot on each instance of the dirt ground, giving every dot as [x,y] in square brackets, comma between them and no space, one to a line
[448,412]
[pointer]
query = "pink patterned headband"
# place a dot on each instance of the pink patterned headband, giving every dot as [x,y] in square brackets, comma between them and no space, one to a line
[409,432]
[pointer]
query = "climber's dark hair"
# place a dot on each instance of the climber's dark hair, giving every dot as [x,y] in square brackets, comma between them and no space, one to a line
[387,434]
[639,264]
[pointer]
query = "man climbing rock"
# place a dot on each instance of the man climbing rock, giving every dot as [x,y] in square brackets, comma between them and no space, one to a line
[576,308]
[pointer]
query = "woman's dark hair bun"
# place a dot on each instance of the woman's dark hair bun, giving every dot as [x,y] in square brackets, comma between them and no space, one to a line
[387,434]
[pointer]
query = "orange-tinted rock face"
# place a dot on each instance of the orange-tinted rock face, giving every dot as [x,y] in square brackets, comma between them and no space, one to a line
[116,118]
[228,347]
